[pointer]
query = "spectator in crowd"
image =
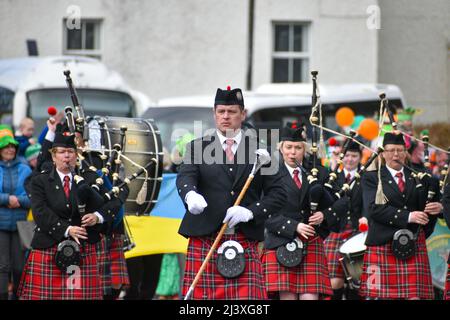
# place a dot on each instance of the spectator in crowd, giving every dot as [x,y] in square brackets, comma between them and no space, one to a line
[24,135]
[32,153]
[14,205]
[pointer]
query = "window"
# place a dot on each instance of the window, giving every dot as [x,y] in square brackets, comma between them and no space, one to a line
[83,41]
[290,57]
[94,102]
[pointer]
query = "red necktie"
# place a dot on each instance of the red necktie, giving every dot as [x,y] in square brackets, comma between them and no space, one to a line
[228,150]
[67,186]
[348,178]
[296,179]
[401,182]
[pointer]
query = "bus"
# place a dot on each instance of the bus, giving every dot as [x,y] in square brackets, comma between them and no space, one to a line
[29,85]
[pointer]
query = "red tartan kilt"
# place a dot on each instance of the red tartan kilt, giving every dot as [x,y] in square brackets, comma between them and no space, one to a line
[447,285]
[212,286]
[119,271]
[42,280]
[103,260]
[386,277]
[332,244]
[311,276]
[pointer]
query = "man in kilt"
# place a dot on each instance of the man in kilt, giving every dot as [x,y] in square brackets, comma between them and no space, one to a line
[385,276]
[348,223]
[209,181]
[310,278]
[55,210]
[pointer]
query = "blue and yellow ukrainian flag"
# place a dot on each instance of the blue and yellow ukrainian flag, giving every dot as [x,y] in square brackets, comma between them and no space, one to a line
[158,233]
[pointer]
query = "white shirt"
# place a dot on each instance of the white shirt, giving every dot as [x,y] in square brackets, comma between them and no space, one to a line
[237,139]
[393,172]
[291,172]
[352,173]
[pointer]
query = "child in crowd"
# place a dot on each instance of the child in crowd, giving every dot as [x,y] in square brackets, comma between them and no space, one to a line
[25,135]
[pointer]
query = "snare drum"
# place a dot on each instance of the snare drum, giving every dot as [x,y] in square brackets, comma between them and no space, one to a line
[352,252]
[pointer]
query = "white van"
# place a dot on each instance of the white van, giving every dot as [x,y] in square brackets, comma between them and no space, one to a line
[28,86]
[272,106]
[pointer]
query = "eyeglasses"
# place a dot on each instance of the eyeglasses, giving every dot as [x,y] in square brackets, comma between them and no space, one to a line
[395,150]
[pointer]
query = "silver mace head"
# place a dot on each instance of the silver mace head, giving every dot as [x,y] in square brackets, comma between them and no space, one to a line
[262,158]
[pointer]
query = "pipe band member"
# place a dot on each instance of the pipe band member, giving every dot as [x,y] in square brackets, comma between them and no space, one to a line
[213,173]
[397,205]
[310,278]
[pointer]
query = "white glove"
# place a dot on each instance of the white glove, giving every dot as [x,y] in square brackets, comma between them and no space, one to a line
[237,214]
[196,203]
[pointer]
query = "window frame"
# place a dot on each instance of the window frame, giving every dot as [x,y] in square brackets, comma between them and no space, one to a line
[93,53]
[292,55]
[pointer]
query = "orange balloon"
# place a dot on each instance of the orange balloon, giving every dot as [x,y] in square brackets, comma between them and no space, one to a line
[345,117]
[368,129]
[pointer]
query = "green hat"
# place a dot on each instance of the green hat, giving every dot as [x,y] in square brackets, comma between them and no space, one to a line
[6,130]
[32,151]
[6,136]
[6,140]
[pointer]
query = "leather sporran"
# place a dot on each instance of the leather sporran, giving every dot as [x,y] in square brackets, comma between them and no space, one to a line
[291,254]
[67,254]
[230,259]
[403,244]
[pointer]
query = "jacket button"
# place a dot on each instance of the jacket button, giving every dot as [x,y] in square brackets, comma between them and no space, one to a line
[265,210]
[258,204]
[58,224]
[395,217]
[283,227]
[231,169]
[278,232]
[232,193]
[185,185]
[270,215]
[289,221]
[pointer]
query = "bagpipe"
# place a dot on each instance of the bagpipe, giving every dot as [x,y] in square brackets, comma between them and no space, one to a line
[123,154]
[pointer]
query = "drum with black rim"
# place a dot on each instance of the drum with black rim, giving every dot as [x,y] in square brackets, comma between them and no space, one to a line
[142,143]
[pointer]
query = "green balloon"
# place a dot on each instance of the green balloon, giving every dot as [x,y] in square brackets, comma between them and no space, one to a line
[358,119]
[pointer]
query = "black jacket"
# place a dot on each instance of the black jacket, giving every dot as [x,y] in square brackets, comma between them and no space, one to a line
[385,220]
[220,184]
[281,227]
[53,213]
[347,210]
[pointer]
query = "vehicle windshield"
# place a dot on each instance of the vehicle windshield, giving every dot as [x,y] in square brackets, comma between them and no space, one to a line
[6,103]
[94,102]
[174,122]
[278,117]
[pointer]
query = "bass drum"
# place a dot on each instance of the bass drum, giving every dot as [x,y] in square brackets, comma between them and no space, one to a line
[142,143]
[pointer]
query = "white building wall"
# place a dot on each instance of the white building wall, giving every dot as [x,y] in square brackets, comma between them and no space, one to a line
[161,47]
[342,48]
[414,54]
